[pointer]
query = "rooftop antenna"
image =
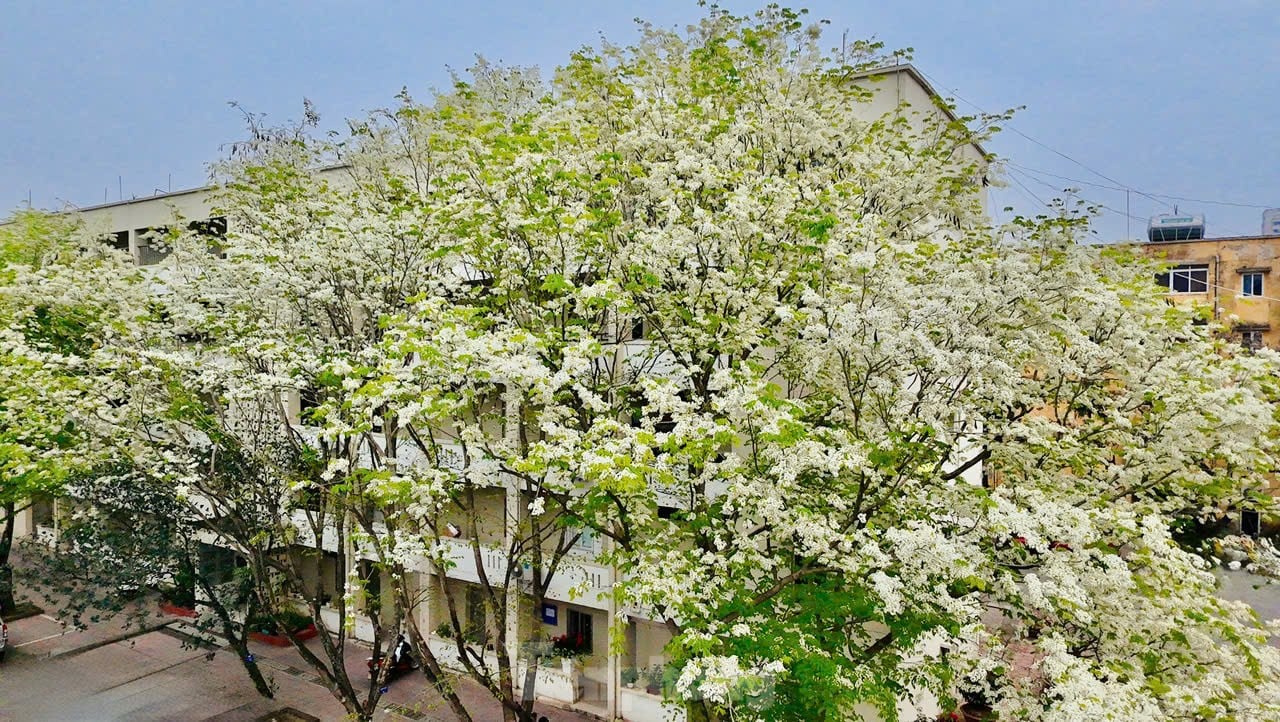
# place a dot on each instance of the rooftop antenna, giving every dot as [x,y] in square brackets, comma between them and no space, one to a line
[120,187]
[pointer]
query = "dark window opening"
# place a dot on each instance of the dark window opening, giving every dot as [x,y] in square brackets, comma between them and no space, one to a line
[153,245]
[308,401]
[1250,523]
[1185,279]
[218,564]
[372,578]
[579,627]
[118,240]
[214,231]
[477,623]
[42,511]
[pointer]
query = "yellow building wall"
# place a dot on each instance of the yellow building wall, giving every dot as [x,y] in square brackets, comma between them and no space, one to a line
[1228,259]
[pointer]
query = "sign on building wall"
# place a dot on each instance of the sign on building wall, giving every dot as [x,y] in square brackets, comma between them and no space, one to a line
[550,614]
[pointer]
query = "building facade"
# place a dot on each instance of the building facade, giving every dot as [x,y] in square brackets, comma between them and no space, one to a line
[1235,277]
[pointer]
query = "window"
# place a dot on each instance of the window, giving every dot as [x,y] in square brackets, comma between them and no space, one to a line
[214,231]
[1251,339]
[42,511]
[118,240]
[1251,284]
[586,541]
[153,245]
[1250,522]
[1187,278]
[477,630]
[372,578]
[309,400]
[218,564]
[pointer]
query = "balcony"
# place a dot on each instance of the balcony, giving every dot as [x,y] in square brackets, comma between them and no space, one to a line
[577,580]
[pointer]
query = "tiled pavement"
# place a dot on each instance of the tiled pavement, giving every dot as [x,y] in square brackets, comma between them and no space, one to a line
[109,672]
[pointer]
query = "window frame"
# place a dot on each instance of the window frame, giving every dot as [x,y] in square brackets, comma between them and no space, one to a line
[1258,283]
[1166,278]
[585,543]
[1251,338]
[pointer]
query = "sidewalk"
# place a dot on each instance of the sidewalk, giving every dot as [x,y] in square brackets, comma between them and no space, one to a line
[411,695]
[44,635]
[150,669]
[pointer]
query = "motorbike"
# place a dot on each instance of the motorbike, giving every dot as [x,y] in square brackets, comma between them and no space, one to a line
[401,661]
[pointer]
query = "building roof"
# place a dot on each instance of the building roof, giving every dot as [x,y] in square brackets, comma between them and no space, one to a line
[1156,244]
[144,199]
[912,72]
[905,68]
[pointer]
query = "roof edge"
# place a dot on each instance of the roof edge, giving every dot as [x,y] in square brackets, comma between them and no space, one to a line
[915,74]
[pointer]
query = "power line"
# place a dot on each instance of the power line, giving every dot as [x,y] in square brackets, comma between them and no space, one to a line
[1149,193]
[1014,173]
[1029,192]
[1047,147]
[1177,273]
[1021,167]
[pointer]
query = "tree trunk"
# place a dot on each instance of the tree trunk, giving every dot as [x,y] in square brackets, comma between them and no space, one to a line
[701,712]
[239,638]
[7,602]
[251,666]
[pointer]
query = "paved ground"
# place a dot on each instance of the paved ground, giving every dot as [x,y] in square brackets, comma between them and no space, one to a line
[1259,592]
[153,672]
[156,676]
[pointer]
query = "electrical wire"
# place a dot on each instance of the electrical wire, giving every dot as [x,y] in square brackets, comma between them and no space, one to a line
[1046,146]
[1121,188]
[1173,272]
[1029,192]
[1013,176]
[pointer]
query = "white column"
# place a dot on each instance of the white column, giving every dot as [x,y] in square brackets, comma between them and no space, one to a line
[614,681]
[511,529]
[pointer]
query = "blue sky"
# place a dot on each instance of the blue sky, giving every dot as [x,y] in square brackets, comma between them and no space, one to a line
[1177,97]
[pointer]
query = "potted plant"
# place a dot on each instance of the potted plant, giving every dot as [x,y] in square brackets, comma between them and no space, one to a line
[629,677]
[570,649]
[178,601]
[265,628]
[653,679]
[975,707]
[179,598]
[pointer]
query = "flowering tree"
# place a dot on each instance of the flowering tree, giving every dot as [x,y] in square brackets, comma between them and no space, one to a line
[51,323]
[832,337]
[689,297]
